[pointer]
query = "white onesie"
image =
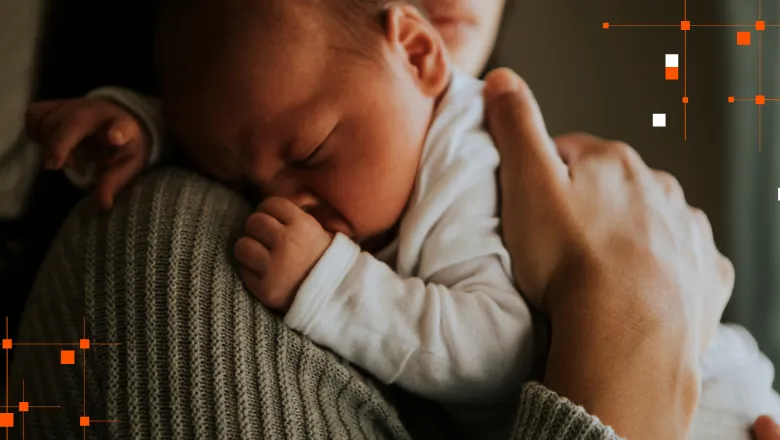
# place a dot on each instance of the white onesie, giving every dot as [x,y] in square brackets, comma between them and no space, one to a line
[437,311]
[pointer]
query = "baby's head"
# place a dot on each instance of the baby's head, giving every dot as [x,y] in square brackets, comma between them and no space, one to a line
[324,102]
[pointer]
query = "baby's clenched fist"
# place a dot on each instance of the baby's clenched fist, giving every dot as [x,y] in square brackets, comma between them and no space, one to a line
[280,246]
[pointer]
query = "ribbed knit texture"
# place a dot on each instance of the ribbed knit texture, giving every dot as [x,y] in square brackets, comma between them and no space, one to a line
[199,357]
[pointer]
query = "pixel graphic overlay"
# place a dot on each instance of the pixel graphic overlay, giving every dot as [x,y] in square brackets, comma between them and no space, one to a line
[676,65]
[12,414]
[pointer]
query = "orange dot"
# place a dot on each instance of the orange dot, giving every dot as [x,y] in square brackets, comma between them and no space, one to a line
[7,344]
[760,99]
[24,406]
[731,99]
[685,25]
[685,99]
[84,421]
[743,38]
[760,25]
[67,357]
[605,25]
[84,344]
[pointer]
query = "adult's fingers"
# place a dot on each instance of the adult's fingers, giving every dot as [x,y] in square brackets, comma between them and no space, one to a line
[765,428]
[517,126]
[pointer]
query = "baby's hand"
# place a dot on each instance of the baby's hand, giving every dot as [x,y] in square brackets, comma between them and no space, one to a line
[111,137]
[280,246]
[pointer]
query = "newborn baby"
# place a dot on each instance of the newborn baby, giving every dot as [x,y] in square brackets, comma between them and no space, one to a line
[377,235]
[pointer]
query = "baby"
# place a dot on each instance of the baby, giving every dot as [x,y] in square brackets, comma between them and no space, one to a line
[377,235]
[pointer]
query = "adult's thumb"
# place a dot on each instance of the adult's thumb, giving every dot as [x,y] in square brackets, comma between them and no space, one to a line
[515,121]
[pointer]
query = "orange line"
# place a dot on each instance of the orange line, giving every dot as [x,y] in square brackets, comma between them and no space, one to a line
[723,25]
[644,25]
[759,128]
[85,382]
[6,371]
[685,10]
[759,9]
[22,426]
[52,344]
[759,63]
[685,63]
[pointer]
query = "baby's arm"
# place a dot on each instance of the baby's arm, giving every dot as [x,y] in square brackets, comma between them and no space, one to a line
[459,331]
[105,138]
[146,112]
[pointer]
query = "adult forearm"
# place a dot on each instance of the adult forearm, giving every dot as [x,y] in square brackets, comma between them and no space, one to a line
[624,379]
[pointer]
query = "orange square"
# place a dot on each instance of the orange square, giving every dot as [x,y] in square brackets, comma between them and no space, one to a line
[605,25]
[84,421]
[685,25]
[760,25]
[24,406]
[672,73]
[7,344]
[84,344]
[731,99]
[67,357]
[760,99]
[6,420]
[685,99]
[743,38]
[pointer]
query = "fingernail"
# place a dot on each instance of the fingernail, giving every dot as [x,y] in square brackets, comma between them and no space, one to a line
[116,137]
[500,82]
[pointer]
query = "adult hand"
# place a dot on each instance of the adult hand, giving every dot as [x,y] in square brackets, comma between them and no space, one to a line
[766,428]
[627,271]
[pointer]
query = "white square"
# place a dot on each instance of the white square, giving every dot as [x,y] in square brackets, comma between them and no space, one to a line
[778,194]
[659,119]
[672,60]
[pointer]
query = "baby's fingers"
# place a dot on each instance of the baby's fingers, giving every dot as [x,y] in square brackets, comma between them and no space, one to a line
[37,114]
[116,178]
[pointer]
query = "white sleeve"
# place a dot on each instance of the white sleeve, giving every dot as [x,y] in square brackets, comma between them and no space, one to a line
[145,109]
[460,333]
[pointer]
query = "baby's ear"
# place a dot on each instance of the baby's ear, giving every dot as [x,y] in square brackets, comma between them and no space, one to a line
[422,46]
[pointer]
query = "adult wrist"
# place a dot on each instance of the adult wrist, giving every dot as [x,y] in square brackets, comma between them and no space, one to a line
[623,362]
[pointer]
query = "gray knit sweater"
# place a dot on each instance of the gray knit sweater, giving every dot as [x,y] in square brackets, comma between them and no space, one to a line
[199,358]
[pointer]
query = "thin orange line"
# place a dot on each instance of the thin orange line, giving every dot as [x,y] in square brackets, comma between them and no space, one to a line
[6,371]
[85,382]
[722,25]
[759,9]
[52,344]
[759,63]
[759,128]
[644,25]
[685,63]
[685,10]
